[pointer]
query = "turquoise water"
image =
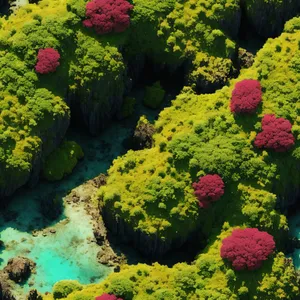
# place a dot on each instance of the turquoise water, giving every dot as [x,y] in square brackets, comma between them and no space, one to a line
[294,223]
[67,253]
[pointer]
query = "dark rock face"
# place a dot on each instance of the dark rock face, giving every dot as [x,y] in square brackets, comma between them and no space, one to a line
[288,199]
[6,287]
[51,206]
[231,24]
[34,295]
[19,268]
[99,234]
[51,139]
[96,106]
[150,246]
[268,17]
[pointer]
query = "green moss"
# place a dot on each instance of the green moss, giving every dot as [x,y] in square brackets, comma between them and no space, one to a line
[63,288]
[154,96]
[127,108]
[62,161]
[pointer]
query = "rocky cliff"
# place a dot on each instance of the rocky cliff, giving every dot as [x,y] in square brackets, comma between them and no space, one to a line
[50,139]
[268,17]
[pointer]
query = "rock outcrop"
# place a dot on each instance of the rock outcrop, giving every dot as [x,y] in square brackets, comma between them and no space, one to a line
[51,138]
[34,295]
[6,287]
[19,268]
[143,135]
[150,246]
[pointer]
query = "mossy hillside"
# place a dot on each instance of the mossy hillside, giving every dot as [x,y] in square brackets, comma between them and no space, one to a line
[152,189]
[205,41]
[208,277]
[34,115]
[62,161]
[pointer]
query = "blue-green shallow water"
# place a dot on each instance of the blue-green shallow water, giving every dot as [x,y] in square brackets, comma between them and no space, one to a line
[294,224]
[66,254]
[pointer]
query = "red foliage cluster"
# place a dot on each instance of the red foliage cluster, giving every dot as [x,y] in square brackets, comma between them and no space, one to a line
[47,61]
[108,15]
[209,188]
[246,96]
[276,134]
[247,248]
[107,297]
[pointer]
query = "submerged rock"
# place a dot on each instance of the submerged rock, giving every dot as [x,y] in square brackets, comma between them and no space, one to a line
[107,256]
[19,268]
[34,295]
[99,234]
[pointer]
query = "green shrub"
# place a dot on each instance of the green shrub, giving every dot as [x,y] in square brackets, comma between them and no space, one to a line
[154,96]
[63,288]
[62,161]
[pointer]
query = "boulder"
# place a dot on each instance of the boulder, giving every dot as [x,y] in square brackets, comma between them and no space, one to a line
[19,268]
[34,295]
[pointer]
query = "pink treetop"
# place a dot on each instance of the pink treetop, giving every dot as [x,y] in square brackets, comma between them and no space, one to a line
[247,248]
[209,188]
[47,61]
[276,134]
[108,15]
[107,297]
[246,96]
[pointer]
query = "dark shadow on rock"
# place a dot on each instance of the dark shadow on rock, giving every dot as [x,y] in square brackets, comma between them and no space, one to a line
[51,206]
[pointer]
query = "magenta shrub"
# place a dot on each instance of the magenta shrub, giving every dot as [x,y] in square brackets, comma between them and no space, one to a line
[247,248]
[276,134]
[108,15]
[209,188]
[47,61]
[246,96]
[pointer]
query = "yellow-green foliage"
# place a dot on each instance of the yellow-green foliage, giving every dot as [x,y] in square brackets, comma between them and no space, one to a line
[151,189]
[169,31]
[32,105]
[209,277]
[62,161]
[198,30]
[63,288]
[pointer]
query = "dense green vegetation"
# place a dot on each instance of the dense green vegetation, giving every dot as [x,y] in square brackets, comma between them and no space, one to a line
[92,69]
[151,190]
